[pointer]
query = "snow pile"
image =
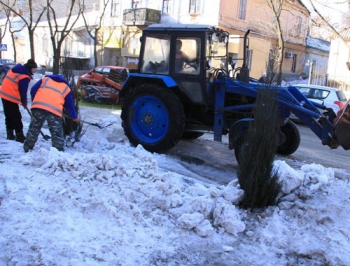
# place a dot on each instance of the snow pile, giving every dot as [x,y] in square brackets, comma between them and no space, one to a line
[105,202]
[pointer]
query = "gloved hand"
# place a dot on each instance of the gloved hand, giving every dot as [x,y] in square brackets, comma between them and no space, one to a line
[76,120]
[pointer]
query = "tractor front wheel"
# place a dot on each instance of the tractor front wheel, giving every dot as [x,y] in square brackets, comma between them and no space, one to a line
[289,139]
[154,117]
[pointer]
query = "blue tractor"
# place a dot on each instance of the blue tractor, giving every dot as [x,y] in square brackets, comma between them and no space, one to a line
[186,85]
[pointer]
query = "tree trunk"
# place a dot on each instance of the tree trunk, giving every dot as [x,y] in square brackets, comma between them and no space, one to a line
[95,48]
[31,43]
[280,53]
[56,49]
[56,60]
[14,47]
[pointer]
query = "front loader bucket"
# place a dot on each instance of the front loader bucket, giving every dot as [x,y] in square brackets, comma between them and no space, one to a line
[342,127]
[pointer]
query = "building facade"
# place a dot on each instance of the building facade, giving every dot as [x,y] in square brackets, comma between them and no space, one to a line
[339,61]
[123,21]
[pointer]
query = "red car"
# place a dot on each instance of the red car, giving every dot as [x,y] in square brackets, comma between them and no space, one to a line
[102,84]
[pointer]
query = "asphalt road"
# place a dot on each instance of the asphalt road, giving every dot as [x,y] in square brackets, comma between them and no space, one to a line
[311,150]
[213,161]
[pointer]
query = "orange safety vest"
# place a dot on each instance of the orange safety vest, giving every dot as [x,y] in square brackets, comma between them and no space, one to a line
[50,96]
[9,89]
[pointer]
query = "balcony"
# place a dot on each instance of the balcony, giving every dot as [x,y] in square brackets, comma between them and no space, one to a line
[141,16]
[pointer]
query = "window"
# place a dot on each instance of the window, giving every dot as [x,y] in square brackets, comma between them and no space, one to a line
[135,3]
[115,9]
[67,49]
[242,9]
[167,6]
[45,45]
[294,63]
[195,6]
[20,4]
[298,26]
[156,55]
[187,55]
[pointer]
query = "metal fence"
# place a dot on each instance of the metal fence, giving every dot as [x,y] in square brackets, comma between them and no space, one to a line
[318,76]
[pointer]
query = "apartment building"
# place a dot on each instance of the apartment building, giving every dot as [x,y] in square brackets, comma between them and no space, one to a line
[123,22]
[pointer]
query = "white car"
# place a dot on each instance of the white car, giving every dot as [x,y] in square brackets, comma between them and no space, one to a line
[330,97]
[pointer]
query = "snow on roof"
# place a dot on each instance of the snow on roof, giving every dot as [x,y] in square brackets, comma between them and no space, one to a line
[317,44]
[345,33]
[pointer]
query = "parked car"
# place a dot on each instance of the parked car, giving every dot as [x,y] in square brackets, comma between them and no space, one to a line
[102,84]
[330,97]
[5,66]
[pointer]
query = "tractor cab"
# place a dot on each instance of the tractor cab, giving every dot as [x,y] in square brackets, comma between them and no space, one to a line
[186,53]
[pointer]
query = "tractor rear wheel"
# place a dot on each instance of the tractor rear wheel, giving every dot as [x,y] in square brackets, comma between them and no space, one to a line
[154,117]
[289,139]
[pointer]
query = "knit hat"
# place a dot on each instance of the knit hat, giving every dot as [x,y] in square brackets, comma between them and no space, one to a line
[31,64]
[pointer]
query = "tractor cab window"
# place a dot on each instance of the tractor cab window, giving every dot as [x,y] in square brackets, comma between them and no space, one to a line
[187,56]
[216,49]
[156,55]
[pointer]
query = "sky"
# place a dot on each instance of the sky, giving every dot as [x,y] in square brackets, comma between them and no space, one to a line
[105,202]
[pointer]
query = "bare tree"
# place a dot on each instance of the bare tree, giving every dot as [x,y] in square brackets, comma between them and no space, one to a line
[6,24]
[60,29]
[327,22]
[13,32]
[276,7]
[93,30]
[30,16]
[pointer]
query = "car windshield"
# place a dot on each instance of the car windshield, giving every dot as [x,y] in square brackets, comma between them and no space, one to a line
[106,70]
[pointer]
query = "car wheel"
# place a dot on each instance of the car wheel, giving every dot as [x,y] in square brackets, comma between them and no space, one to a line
[154,117]
[289,139]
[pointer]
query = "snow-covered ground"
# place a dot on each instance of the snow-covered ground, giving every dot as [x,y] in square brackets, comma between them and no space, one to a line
[104,202]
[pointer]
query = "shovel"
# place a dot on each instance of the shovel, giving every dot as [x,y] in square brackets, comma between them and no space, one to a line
[46,137]
[90,123]
[95,124]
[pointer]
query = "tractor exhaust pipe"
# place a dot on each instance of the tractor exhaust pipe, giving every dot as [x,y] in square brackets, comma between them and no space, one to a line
[244,72]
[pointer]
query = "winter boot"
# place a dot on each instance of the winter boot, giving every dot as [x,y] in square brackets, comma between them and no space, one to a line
[10,134]
[20,136]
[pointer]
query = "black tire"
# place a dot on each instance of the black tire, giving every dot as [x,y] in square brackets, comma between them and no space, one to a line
[240,143]
[289,139]
[189,135]
[90,94]
[154,117]
[95,96]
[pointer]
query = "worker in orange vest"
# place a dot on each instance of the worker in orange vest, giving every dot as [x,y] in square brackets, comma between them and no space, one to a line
[14,92]
[180,58]
[50,95]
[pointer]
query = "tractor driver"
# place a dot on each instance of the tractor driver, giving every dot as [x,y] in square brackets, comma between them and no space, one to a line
[181,57]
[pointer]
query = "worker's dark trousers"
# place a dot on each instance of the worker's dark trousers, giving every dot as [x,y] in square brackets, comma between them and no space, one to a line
[13,117]
[54,122]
